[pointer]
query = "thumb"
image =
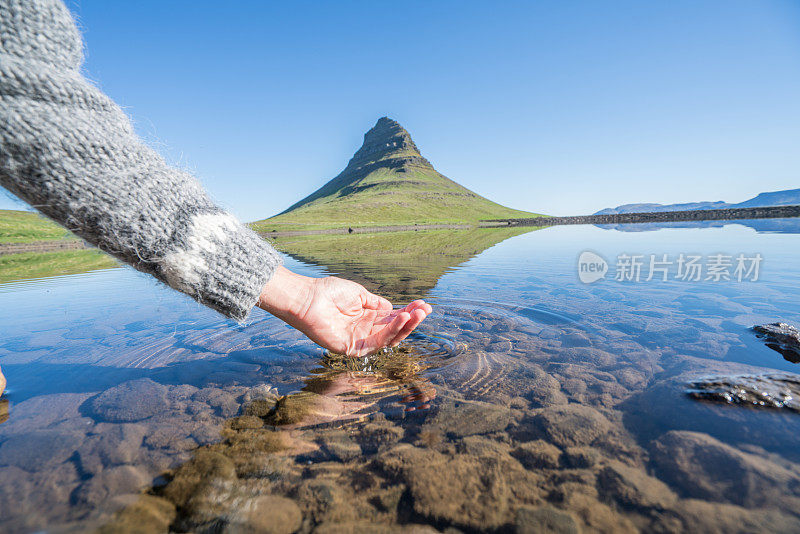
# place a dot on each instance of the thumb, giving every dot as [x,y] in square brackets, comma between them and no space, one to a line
[374,302]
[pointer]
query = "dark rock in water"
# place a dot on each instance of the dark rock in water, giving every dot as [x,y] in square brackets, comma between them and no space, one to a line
[580,457]
[705,468]
[271,514]
[545,519]
[245,422]
[782,338]
[112,482]
[111,445]
[322,497]
[780,391]
[131,401]
[702,516]
[482,446]
[461,418]
[543,389]
[339,445]
[259,408]
[780,332]
[460,489]
[571,425]
[296,409]
[365,527]
[39,449]
[147,514]
[379,434]
[665,406]
[634,488]
[198,488]
[537,455]
[221,401]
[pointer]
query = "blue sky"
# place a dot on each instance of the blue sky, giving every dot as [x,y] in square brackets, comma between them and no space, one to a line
[555,107]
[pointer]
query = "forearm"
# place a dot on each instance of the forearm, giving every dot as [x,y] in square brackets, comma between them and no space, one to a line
[70,152]
[287,295]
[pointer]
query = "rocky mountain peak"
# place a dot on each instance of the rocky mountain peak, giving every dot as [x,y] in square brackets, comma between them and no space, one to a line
[388,150]
[387,140]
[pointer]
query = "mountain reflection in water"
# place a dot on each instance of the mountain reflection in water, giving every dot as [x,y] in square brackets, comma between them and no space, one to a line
[401,266]
[767,226]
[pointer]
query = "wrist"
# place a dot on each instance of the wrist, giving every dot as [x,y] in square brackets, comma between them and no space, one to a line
[287,294]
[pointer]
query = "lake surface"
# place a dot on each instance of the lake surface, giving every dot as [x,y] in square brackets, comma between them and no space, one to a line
[528,399]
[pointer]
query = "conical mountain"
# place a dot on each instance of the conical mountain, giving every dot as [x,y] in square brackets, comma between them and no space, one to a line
[387,181]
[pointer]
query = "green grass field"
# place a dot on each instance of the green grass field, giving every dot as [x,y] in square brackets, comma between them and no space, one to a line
[28,227]
[29,265]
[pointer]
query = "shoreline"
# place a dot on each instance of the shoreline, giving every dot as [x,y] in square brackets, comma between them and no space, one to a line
[727,214]
[370,229]
[42,246]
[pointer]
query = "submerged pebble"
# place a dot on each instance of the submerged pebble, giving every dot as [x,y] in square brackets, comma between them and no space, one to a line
[778,390]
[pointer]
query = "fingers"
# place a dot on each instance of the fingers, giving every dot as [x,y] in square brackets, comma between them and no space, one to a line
[391,331]
[393,325]
[415,318]
[374,302]
[419,305]
[392,313]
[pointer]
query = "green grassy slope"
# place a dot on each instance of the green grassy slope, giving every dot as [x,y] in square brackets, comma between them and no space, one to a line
[28,227]
[388,182]
[423,199]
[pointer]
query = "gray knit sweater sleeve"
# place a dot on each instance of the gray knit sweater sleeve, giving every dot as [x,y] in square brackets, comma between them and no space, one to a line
[70,152]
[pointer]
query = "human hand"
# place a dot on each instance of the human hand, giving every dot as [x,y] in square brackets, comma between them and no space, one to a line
[338,314]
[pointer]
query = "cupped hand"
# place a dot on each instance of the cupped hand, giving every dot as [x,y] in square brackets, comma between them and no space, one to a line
[338,314]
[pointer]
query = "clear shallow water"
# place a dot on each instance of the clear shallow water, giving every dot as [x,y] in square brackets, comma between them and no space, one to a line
[531,396]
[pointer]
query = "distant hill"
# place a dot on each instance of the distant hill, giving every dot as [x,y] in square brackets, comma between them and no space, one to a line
[388,182]
[790,197]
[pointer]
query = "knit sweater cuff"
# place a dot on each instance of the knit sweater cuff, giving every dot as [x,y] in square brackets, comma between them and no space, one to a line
[220,263]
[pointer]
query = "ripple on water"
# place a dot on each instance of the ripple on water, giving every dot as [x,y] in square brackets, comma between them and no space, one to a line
[473,347]
[775,390]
